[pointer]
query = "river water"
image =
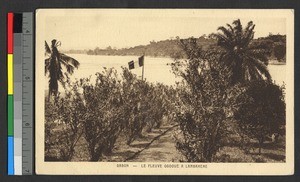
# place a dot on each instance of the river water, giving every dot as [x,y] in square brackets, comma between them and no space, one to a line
[156,69]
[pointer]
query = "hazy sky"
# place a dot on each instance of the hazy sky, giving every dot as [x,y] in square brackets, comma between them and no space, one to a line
[87,29]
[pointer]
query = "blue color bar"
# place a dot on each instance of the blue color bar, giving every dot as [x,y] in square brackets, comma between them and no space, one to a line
[10,156]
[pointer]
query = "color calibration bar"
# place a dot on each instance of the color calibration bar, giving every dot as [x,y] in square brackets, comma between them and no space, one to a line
[20,93]
[10,95]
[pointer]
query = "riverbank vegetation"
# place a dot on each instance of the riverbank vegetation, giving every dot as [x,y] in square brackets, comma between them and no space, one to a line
[170,48]
[225,102]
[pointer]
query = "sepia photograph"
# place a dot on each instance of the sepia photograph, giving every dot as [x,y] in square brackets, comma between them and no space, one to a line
[164,91]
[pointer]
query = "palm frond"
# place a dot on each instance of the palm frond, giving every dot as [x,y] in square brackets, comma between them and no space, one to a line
[70,69]
[230,28]
[224,42]
[246,40]
[238,30]
[248,34]
[262,68]
[47,48]
[260,54]
[261,57]
[247,73]
[238,26]
[226,32]
[255,75]
[69,60]
[47,65]
[249,25]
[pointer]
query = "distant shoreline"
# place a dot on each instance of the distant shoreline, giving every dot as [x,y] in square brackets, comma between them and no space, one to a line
[271,62]
[120,55]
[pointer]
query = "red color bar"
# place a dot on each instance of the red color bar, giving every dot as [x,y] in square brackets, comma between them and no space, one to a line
[10,39]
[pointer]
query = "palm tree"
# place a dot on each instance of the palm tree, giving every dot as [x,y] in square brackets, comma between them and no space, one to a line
[53,66]
[245,60]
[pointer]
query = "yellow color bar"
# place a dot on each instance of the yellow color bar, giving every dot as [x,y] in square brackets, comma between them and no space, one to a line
[10,74]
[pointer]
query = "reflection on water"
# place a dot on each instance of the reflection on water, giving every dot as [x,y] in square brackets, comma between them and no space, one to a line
[156,69]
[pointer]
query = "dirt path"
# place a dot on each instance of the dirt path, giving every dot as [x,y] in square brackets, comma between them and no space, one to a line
[162,149]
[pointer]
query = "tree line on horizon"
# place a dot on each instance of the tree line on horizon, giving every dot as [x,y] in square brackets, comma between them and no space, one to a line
[226,95]
[170,48]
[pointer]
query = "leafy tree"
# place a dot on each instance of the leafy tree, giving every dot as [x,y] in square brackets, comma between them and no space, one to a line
[51,115]
[262,110]
[101,112]
[144,103]
[277,38]
[202,111]
[136,96]
[53,66]
[103,118]
[159,105]
[279,51]
[245,61]
[61,137]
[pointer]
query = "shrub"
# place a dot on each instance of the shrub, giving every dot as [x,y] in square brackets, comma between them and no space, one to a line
[145,105]
[103,117]
[63,126]
[262,110]
[100,112]
[50,137]
[131,95]
[203,109]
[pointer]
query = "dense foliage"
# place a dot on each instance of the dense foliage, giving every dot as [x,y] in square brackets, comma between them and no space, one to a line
[63,127]
[262,110]
[279,51]
[204,106]
[210,106]
[225,91]
[99,112]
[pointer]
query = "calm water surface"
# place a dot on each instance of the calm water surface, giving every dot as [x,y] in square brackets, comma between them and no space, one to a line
[156,69]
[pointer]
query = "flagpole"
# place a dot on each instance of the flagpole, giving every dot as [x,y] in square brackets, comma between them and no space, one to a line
[143,70]
[143,67]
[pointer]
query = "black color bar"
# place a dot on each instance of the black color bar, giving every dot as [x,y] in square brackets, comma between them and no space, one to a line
[18,22]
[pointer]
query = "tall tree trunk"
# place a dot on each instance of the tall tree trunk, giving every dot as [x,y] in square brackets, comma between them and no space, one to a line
[261,141]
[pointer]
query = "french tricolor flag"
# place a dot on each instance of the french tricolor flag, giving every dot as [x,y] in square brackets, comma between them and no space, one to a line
[135,64]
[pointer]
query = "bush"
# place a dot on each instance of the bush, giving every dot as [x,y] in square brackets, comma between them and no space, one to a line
[103,117]
[262,110]
[99,112]
[51,139]
[144,105]
[203,109]
[135,96]
[63,126]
